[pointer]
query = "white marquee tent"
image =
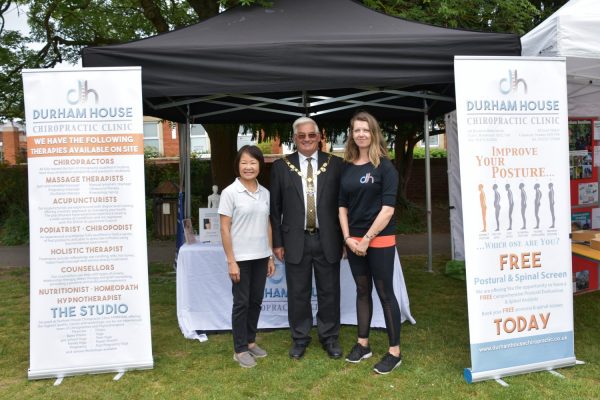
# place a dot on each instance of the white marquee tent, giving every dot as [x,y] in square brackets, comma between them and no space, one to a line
[573,32]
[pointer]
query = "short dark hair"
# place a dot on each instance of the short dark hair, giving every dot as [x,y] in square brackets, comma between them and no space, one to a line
[253,152]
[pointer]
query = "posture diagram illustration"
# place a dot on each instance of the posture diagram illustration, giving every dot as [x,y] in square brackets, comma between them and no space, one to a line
[523,204]
[506,218]
[511,205]
[497,206]
[551,201]
[538,202]
[483,207]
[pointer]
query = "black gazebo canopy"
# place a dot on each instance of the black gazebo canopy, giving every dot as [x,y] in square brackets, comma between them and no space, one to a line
[322,58]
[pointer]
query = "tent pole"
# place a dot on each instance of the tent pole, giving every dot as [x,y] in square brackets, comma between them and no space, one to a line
[187,183]
[182,167]
[305,102]
[427,186]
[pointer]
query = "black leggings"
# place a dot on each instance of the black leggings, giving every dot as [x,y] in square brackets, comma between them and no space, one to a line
[376,267]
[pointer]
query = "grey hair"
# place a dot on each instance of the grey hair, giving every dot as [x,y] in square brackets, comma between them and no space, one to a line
[302,121]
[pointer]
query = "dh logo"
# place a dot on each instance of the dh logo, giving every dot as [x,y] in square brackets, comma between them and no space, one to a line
[367,178]
[81,94]
[511,84]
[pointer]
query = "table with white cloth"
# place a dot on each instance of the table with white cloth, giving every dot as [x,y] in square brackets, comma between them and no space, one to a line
[204,298]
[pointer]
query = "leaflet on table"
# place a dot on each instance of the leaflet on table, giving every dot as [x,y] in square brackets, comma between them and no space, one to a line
[210,226]
[89,284]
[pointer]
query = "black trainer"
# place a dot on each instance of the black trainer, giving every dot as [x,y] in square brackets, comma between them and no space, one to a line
[387,364]
[358,353]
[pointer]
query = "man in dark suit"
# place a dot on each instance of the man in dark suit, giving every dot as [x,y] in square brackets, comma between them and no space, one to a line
[306,233]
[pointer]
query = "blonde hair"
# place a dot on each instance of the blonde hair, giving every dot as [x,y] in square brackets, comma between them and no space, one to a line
[378,146]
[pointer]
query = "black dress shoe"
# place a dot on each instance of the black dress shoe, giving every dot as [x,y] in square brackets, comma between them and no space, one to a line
[333,349]
[297,351]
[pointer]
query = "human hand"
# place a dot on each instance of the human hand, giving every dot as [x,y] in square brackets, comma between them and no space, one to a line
[362,247]
[234,271]
[270,267]
[353,245]
[279,253]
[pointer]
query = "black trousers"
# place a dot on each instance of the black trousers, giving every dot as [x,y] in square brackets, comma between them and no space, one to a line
[248,294]
[377,267]
[299,287]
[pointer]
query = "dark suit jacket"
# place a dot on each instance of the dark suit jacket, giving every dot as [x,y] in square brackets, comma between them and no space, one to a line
[287,208]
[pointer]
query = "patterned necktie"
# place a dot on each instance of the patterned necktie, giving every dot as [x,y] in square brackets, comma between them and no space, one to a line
[311,217]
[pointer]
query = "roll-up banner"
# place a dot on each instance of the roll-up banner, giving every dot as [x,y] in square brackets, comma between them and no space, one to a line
[89,310]
[513,144]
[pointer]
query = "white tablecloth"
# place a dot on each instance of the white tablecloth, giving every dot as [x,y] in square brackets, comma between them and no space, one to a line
[204,297]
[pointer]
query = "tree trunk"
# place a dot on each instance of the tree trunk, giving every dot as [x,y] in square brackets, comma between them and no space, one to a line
[204,8]
[153,14]
[403,148]
[223,149]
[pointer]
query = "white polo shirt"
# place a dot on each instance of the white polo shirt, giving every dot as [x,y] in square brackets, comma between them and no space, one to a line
[249,214]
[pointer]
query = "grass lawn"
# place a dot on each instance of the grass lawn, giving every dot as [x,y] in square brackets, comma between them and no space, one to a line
[435,351]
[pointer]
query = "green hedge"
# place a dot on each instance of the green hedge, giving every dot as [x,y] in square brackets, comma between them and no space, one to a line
[419,152]
[434,152]
[201,185]
[200,176]
[13,189]
[14,205]
[14,210]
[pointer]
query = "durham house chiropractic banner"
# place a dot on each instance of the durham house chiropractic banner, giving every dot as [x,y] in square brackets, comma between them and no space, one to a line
[514,162]
[90,308]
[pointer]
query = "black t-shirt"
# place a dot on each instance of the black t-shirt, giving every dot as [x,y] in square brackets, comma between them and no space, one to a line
[364,189]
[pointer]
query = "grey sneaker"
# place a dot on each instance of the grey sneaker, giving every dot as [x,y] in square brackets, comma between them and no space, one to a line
[387,364]
[257,352]
[245,359]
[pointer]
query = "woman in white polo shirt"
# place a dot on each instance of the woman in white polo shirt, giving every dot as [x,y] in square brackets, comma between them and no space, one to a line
[246,237]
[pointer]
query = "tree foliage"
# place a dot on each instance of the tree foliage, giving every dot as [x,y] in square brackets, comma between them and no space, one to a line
[515,16]
[509,16]
[63,27]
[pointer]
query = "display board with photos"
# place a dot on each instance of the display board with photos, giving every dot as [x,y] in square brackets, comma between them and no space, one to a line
[584,159]
[582,170]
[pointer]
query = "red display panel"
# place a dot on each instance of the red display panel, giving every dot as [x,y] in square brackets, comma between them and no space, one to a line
[585,274]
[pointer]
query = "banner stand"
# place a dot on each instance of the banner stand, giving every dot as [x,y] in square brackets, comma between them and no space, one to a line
[513,138]
[472,377]
[89,291]
[119,375]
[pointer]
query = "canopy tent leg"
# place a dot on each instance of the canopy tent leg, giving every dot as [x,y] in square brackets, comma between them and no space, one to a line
[187,176]
[427,187]
[184,164]
[184,204]
[305,105]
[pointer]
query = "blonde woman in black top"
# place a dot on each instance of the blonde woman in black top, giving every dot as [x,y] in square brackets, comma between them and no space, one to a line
[366,210]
